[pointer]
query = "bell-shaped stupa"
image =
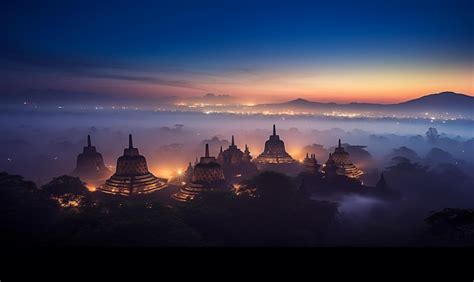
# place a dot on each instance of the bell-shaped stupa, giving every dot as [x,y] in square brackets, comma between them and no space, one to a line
[132,176]
[274,152]
[340,160]
[207,175]
[90,164]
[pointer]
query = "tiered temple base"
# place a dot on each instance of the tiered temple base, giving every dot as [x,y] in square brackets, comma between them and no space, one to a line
[207,176]
[132,185]
[350,170]
[190,191]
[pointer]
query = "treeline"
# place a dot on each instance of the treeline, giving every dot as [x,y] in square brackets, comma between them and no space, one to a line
[64,213]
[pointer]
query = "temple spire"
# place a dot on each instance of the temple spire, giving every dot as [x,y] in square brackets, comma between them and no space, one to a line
[89,144]
[232,140]
[207,151]
[274,130]
[221,149]
[307,156]
[339,145]
[130,141]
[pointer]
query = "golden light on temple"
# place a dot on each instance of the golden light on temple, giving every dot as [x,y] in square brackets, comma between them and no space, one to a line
[163,172]
[132,175]
[91,187]
[274,152]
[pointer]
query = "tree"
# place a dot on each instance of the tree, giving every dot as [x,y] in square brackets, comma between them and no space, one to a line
[26,215]
[274,186]
[68,191]
[432,135]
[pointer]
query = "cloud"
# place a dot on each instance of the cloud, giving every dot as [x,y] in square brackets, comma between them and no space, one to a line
[148,79]
[18,58]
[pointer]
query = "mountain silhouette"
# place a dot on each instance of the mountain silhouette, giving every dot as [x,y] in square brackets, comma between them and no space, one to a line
[440,102]
[443,99]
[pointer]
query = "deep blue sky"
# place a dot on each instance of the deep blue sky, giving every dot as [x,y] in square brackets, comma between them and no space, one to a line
[204,45]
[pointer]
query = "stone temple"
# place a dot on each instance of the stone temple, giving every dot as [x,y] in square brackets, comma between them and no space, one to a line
[132,176]
[236,164]
[310,164]
[207,175]
[274,152]
[90,164]
[338,164]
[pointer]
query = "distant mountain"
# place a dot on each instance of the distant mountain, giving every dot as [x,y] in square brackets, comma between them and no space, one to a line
[443,102]
[210,98]
[297,104]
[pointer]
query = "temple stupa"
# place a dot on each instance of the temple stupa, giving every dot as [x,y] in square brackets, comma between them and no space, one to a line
[90,164]
[235,163]
[339,160]
[311,164]
[274,152]
[207,175]
[132,176]
[247,157]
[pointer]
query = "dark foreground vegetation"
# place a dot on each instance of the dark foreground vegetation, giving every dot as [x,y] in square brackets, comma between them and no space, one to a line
[64,213]
[277,211]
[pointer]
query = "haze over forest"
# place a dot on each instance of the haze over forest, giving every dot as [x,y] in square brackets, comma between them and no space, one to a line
[371,106]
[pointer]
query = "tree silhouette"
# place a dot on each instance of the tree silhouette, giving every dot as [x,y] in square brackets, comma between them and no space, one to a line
[432,135]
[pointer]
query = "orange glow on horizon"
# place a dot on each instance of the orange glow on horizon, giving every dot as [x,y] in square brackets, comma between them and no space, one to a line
[374,84]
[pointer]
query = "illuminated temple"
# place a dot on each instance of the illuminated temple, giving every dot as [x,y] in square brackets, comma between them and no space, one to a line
[183,177]
[235,163]
[207,175]
[274,152]
[338,164]
[132,176]
[90,164]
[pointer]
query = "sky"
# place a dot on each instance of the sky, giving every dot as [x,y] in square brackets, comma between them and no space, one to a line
[259,51]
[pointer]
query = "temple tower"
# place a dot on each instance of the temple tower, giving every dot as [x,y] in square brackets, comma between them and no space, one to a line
[274,151]
[132,176]
[90,164]
[207,175]
[340,160]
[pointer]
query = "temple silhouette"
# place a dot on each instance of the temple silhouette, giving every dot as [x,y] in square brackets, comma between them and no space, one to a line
[338,163]
[310,164]
[132,176]
[274,152]
[231,167]
[236,164]
[207,175]
[275,157]
[90,164]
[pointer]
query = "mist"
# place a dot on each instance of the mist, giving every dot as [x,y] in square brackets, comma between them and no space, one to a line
[45,144]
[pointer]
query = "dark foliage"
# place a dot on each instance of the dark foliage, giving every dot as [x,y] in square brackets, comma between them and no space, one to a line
[279,216]
[453,225]
[26,215]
